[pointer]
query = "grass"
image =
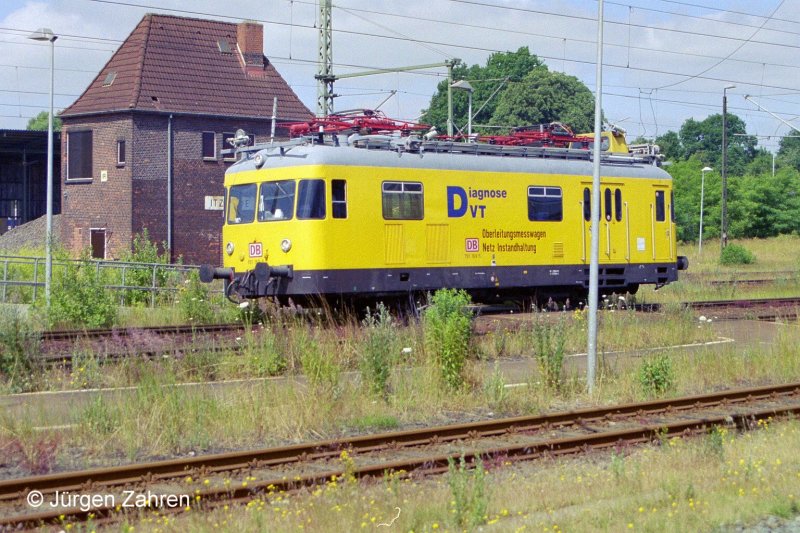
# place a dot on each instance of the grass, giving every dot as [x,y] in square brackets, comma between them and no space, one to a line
[679,485]
[158,418]
[778,255]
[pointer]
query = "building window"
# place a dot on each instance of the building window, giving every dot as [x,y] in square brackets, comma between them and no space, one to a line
[79,155]
[120,152]
[661,214]
[311,199]
[402,200]
[339,194]
[545,204]
[209,145]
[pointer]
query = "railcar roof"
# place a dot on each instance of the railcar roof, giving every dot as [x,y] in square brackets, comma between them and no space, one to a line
[350,156]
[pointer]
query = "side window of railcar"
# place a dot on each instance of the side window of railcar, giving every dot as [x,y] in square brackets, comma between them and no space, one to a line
[242,204]
[276,201]
[672,206]
[545,204]
[607,198]
[311,199]
[339,200]
[402,200]
[587,204]
[618,204]
[661,214]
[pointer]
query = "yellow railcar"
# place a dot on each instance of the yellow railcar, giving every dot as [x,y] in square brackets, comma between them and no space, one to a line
[384,216]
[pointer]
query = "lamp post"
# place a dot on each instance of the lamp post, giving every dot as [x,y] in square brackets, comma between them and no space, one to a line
[702,194]
[46,34]
[464,85]
[723,238]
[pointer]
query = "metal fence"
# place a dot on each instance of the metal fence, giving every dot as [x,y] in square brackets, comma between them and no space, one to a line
[23,279]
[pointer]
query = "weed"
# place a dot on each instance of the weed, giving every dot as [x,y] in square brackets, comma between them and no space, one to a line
[470,500]
[378,349]
[549,341]
[19,344]
[193,301]
[736,254]
[715,442]
[34,453]
[618,465]
[98,417]
[264,357]
[320,368]
[656,375]
[448,331]
[379,422]
[78,297]
[495,388]
[144,251]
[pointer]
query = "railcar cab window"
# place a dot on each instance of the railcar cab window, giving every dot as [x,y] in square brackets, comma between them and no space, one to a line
[242,204]
[607,199]
[276,201]
[311,200]
[339,198]
[661,214]
[545,204]
[618,204]
[402,200]
[587,204]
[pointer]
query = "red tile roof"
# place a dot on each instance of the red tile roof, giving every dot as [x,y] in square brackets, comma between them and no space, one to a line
[174,64]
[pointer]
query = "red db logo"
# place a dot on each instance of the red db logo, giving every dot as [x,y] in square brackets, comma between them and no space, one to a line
[472,245]
[255,249]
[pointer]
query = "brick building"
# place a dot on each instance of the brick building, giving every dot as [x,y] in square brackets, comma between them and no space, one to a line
[141,147]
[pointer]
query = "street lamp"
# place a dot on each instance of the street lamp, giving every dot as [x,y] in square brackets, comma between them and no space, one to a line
[46,34]
[702,194]
[723,238]
[465,86]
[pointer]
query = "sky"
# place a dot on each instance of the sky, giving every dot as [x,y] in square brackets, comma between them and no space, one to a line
[664,61]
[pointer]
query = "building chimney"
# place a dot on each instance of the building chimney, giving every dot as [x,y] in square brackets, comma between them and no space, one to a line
[250,39]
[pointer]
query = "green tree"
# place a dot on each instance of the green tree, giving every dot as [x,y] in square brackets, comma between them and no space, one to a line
[39,122]
[544,97]
[704,140]
[789,152]
[502,69]
[670,145]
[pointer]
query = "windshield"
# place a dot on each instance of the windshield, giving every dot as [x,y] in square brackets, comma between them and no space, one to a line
[242,204]
[276,201]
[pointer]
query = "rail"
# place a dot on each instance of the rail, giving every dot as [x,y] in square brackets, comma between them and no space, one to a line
[22,278]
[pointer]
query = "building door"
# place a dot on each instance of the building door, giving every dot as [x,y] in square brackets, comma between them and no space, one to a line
[98,243]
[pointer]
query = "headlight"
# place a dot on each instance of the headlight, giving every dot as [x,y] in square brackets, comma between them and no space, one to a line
[229,248]
[286,245]
[258,160]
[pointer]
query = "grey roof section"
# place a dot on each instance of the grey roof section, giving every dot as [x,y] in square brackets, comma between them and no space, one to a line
[308,154]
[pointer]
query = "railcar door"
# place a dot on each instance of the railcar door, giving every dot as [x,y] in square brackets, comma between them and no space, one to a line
[614,224]
[661,215]
[614,237]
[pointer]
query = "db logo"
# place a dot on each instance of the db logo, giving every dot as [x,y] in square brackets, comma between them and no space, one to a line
[472,245]
[255,249]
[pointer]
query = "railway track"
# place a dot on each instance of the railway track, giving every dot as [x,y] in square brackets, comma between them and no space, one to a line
[118,343]
[412,453]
